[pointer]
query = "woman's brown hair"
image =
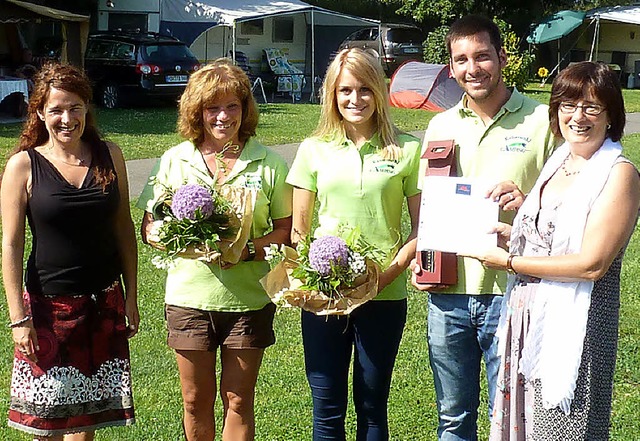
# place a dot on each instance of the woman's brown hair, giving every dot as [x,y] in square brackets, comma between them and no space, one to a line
[204,87]
[577,81]
[34,133]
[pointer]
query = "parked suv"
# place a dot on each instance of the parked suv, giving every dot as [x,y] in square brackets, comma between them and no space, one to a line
[391,44]
[125,66]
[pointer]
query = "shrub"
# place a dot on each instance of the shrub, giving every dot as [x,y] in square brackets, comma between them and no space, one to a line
[435,50]
[517,71]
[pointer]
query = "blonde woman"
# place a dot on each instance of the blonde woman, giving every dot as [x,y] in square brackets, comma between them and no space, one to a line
[209,306]
[360,169]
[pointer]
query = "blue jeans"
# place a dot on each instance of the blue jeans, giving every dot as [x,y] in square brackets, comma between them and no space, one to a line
[461,330]
[374,330]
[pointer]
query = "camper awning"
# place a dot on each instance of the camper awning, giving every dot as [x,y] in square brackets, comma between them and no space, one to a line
[75,27]
[556,26]
[225,12]
[186,19]
[622,14]
[15,11]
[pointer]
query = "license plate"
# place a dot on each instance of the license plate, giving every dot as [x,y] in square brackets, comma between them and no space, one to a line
[411,50]
[176,78]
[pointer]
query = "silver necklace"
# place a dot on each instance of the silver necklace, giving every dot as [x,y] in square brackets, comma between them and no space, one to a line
[81,162]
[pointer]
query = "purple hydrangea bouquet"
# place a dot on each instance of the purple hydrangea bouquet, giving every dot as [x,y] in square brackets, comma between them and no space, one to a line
[197,221]
[328,275]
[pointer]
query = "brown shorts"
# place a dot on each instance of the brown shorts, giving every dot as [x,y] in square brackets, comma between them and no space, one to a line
[196,330]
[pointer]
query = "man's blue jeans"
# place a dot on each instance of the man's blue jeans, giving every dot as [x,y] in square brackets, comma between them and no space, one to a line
[461,330]
[374,330]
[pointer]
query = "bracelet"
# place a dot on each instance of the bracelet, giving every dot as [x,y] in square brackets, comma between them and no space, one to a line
[510,264]
[251,248]
[22,321]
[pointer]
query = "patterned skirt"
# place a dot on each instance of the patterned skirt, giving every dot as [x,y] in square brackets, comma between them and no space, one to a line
[519,414]
[82,379]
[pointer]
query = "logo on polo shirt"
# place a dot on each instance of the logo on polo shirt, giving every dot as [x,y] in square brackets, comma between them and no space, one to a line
[516,144]
[384,166]
[253,181]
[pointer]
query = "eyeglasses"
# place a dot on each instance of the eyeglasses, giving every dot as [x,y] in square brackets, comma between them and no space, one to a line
[588,109]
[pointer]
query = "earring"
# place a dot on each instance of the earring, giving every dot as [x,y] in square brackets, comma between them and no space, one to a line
[608,126]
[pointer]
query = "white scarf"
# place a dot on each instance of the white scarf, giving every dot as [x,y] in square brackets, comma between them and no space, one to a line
[552,349]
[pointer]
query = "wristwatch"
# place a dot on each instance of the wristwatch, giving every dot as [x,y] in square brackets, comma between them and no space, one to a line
[252,251]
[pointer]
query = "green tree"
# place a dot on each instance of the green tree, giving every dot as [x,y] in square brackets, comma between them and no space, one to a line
[376,9]
[517,12]
[516,72]
[451,9]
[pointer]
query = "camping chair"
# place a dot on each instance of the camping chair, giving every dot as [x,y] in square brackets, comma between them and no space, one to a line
[242,61]
[288,77]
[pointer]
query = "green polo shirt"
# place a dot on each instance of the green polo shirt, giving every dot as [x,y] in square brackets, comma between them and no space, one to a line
[194,284]
[358,187]
[513,146]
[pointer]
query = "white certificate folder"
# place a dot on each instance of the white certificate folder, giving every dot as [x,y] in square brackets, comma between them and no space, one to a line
[455,215]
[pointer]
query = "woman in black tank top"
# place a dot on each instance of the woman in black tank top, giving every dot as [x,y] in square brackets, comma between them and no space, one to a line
[71,324]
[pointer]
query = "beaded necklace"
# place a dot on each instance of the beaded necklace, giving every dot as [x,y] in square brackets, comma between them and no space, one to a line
[564,168]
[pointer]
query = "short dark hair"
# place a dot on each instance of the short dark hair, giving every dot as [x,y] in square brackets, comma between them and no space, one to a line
[586,77]
[471,25]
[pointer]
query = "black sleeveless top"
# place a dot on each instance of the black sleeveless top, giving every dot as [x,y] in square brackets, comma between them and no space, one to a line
[74,249]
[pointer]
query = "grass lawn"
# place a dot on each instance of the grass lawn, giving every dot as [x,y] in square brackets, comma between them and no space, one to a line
[543,93]
[148,132]
[283,403]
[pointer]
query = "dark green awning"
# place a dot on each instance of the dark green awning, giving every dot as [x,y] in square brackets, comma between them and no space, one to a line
[556,26]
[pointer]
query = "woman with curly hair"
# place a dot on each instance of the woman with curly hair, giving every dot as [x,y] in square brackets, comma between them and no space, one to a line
[221,305]
[70,325]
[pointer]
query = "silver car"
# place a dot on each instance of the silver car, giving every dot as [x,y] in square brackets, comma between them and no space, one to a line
[391,44]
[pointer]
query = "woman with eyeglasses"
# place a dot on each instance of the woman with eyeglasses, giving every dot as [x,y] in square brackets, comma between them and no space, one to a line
[559,322]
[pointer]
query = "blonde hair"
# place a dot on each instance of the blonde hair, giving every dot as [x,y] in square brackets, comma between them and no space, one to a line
[365,68]
[208,84]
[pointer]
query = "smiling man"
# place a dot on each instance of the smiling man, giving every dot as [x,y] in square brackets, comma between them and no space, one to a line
[500,135]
